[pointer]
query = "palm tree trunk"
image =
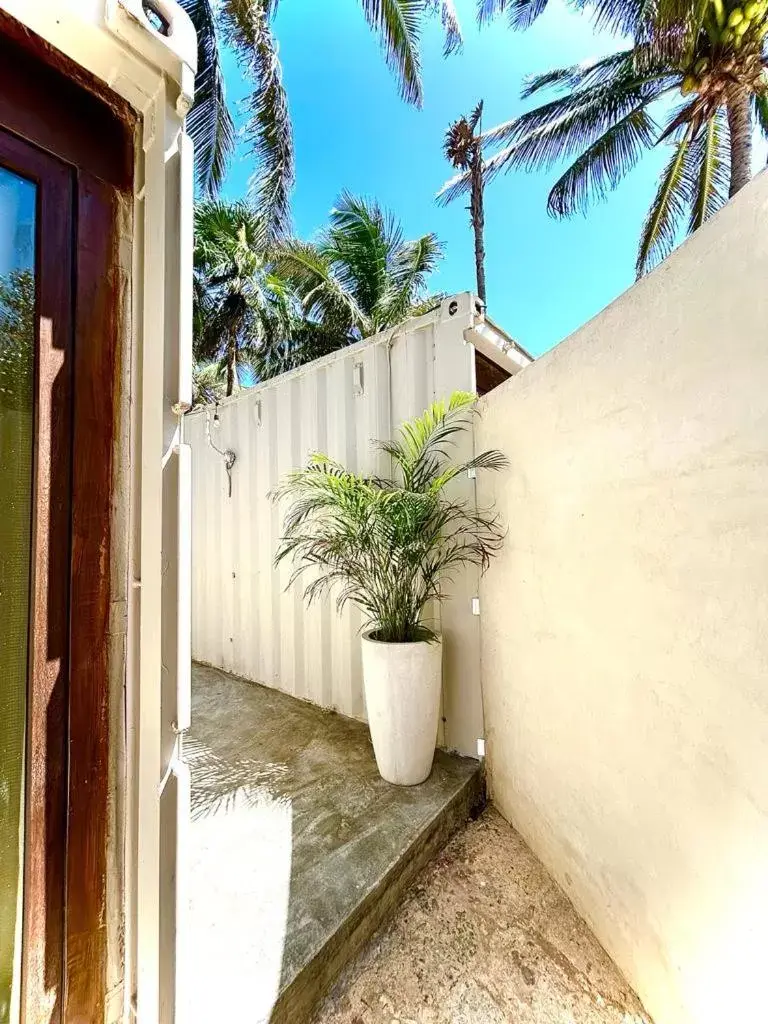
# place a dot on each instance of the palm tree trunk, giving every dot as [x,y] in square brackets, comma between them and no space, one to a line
[231,352]
[477,215]
[740,129]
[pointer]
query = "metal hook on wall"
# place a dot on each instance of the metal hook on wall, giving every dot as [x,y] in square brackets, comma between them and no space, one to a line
[227,454]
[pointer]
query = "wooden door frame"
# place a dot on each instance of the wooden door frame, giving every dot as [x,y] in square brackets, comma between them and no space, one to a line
[51,104]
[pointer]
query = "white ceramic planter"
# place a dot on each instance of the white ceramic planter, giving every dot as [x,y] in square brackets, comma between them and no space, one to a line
[402,695]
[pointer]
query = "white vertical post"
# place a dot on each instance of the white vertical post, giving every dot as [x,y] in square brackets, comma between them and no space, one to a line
[150,615]
[186,269]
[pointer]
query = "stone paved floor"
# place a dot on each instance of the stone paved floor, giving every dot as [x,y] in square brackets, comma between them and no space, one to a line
[485,937]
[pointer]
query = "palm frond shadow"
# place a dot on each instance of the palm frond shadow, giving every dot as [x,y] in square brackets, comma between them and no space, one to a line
[221,785]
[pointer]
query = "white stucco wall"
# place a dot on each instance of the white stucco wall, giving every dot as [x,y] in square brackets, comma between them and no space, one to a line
[625,626]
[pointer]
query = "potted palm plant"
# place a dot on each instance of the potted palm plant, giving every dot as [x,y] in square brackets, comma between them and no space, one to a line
[390,545]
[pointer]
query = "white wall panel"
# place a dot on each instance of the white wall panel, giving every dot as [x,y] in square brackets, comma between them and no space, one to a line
[244,619]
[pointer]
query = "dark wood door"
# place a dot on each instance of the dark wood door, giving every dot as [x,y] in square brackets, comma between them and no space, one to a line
[36,320]
[66,196]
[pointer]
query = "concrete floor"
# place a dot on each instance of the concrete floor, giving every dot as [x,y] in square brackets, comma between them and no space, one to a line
[292,831]
[485,937]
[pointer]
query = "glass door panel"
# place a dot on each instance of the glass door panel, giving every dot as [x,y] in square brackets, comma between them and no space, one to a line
[17,383]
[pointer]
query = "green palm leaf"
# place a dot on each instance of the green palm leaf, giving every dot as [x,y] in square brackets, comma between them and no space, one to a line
[389,545]
[520,13]
[409,267]
[242,308]
[603,164]
[667,210]
[209,122]
[597,116]
[361,242]
[636,64]
[360,275]
[268,130]
[307,267]
[451,24]
[710,178]
[622,17]
[398,25]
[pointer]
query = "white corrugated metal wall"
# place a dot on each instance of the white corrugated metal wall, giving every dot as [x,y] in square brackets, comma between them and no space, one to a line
[243,620]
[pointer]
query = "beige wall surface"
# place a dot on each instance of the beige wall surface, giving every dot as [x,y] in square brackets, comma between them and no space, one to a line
[625,626]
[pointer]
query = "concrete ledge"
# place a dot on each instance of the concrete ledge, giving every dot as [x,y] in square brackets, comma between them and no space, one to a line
[297,849]
[300,997]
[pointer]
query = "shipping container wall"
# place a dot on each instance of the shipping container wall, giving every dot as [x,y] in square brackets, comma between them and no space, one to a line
[244,620]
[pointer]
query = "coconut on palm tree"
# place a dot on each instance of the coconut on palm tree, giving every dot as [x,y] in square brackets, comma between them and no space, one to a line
[242,309]
[605,114]
[360,275]
[245,27]
[463,148]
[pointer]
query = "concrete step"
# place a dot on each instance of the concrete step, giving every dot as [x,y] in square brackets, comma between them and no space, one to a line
[484,936]
[297,851]
[463,798]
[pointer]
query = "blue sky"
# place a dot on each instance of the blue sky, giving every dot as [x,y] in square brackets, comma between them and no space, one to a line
[544,277]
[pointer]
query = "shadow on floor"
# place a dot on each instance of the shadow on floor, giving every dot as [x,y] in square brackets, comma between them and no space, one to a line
[292,829]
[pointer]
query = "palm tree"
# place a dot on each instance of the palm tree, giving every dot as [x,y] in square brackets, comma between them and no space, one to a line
[359,276]
[463,148]
[712,55]
[209,383]
[245,26]
[242,309]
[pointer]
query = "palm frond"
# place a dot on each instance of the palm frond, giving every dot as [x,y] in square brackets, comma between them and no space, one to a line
[451,24]
[420,445]
[562,131]
[621,17]
[676,26]
[667,210]
[709,171]
[398,26]
[415,259]
[520,13]
[386,546]
[455,187]
[310,272]
[268,129]
[209,122]
[602,165]
[360,275]
[634,64]
[209,383]
[360,243]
